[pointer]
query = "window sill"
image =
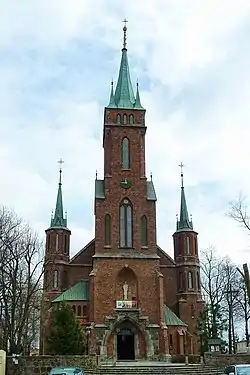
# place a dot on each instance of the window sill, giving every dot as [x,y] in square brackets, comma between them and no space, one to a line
[107,247]
[144,247]
[126,169]
[126,248]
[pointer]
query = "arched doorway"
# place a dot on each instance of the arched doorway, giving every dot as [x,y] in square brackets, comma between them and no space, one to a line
[125,345]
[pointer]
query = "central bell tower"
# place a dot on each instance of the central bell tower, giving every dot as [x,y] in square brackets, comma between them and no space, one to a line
[125,221]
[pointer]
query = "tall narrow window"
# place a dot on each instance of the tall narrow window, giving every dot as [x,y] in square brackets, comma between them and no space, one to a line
[48,242]
[125,119]
[181,281]
[190,280]
[107,230]
[79,310]
[126,224]
[55,279]
[118,119]
[64,280]
[125,154]
[144,231]
[198,281]
[65,243]
[195,246]
[131,119]
[74,308]
[57,241]
[187,245]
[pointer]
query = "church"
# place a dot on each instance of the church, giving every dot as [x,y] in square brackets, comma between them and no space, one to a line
[133,300]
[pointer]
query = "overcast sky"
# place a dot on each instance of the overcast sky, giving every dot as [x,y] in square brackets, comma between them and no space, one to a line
[192,60]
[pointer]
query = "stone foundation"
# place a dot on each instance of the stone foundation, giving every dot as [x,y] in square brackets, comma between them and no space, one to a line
[217,359]
[41,365]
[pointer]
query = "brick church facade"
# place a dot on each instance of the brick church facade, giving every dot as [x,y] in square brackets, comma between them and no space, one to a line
[133,300]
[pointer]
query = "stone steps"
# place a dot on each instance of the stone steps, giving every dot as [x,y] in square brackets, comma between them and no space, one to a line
[169,369]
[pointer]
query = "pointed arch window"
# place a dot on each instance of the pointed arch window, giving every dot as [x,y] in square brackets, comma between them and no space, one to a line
[198,281]
[181,280]
[124,119]
[118,119]
[74,308]
[131,119]
[144,231]
[107,230]
[79,310]
[55,279]
[65,243]
[64,280]
[195,246]
[48,242]
[187,246]
[125,153]
[190,280]
[126,224]
[57,241]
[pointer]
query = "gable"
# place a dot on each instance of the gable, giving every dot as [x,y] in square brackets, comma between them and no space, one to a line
[84,256]
[164,257]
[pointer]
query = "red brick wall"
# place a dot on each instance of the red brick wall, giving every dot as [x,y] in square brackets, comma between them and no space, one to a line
[107,272]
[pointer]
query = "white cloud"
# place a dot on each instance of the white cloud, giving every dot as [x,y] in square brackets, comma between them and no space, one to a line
[192,59]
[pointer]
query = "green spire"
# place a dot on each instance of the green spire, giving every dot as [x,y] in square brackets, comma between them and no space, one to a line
[58,221]
[183,223]
[137,98]
[112,97]
[124,94]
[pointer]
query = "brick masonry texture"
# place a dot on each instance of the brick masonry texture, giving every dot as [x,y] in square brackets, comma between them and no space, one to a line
[153,276]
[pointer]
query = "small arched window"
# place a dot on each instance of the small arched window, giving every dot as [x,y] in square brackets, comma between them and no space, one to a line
[74,308]
[181,281]
[195,246]
[48,242]
[55,279]
[79,310]
[144,231]
[65,243]
[124,119]
[198,281]
[126,224]
[118,119]
[64,280]
[57,241]
[187,246]
[84,311]
[125,153]
[107,230]
[131,119]
[190,280]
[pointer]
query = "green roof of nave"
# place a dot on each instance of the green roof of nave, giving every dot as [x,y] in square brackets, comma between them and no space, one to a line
[77,292]
[124,96]
[171,319]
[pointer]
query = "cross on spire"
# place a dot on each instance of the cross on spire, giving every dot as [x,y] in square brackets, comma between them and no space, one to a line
[181,165]
[60,170]
[125,34]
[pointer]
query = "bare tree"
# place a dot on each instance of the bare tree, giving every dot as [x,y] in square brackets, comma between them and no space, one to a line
[213,285]
[21,270]
[239,211]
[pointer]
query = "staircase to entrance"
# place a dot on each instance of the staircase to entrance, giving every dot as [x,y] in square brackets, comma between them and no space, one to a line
[158,368]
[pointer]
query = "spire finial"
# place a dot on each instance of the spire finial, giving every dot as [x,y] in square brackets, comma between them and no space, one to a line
[181,165]
[151,176]
[125,34]
[60,170]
